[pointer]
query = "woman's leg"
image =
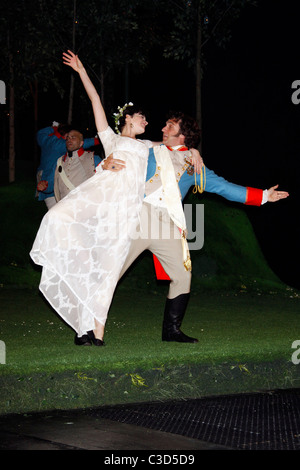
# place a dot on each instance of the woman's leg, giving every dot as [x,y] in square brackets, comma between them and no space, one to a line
[99,330]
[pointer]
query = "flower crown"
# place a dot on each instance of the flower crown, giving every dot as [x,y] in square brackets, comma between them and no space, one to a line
[118,115]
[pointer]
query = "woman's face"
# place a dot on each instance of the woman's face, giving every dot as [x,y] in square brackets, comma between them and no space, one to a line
[138,122]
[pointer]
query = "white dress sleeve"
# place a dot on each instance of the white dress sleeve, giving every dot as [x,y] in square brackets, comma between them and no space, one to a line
[108,140]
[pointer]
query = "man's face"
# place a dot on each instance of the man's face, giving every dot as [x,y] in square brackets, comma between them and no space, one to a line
[73,141]
[171,134]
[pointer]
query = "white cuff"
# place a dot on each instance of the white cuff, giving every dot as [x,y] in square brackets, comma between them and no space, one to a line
[265,197]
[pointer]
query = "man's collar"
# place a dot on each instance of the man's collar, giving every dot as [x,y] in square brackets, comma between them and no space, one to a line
[80,152]
[181,148]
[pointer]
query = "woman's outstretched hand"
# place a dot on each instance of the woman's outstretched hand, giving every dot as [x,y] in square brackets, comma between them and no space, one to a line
[72,60]
[69,58]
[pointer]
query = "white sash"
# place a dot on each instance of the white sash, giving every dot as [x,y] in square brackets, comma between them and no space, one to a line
[63,175]
[173,198]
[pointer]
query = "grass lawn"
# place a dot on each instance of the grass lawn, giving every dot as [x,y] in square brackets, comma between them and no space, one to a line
[245,344]
[246,320]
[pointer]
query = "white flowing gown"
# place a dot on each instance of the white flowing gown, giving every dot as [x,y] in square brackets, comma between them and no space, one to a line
[83,241]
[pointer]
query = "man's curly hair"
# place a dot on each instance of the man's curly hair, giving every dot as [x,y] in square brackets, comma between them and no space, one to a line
[188,127]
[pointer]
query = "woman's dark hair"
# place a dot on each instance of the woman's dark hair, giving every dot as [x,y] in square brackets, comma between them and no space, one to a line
[188,127]
[131,110]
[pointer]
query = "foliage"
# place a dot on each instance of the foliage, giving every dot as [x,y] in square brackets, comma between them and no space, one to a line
[110,36]
[109,33]
[214,18]
[29,47]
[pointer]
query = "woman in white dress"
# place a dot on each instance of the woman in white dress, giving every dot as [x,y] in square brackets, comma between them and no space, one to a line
[83,240]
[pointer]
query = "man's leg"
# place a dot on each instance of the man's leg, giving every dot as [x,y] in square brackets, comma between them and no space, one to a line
[169,253]
[168,250]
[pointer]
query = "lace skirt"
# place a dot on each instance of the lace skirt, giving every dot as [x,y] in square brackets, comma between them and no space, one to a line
[83,241]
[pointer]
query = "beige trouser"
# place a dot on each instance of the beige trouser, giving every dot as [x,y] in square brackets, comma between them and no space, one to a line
[50,202]
[157,233]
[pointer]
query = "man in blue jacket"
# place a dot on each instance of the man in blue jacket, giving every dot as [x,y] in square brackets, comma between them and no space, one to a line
[52,141]
[168,170]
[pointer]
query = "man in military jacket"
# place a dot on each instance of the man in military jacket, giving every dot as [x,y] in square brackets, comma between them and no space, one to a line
[74,167]
[169,177]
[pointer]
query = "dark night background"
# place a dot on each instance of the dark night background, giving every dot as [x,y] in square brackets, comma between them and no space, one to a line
[256,125]
[250,125]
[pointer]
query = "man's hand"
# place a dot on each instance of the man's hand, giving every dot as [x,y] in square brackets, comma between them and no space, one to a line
[196,160]
[42,185]
[113,164]
[274,196]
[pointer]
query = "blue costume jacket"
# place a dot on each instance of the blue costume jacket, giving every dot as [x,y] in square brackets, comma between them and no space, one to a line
[214,184]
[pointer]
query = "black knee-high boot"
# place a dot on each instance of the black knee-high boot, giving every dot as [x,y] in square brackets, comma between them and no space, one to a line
[173,317]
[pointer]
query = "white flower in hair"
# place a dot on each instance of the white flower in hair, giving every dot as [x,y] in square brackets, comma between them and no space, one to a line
[120,114]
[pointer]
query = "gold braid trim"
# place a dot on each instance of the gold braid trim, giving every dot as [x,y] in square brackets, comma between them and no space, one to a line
[200,188]
[187,263]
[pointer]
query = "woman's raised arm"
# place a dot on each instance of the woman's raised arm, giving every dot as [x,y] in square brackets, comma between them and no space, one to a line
[72,60]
